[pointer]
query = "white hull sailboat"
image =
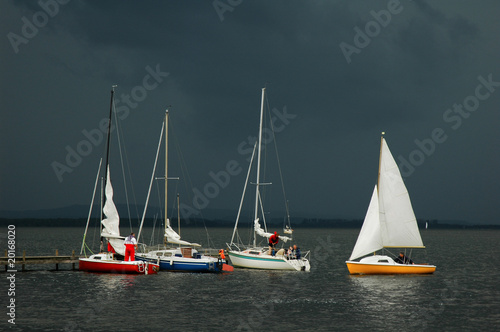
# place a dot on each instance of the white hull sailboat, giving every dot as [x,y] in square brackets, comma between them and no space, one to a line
[389,223]
[255,257]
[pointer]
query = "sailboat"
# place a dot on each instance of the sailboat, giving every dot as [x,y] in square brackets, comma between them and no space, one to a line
[389,223]
[110,230]
[184,257]
[256,257]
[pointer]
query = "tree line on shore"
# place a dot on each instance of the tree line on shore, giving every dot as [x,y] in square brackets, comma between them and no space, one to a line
[198,222]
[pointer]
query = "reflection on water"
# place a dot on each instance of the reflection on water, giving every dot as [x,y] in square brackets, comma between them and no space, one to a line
[390,301]
[112,282]
[387,286]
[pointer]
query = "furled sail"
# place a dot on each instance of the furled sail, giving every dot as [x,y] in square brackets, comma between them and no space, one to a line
[173,237]
[111,224]
[261,232]
[369,238]
[397,219]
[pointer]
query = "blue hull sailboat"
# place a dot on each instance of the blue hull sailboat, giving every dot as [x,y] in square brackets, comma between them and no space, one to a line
[177,255]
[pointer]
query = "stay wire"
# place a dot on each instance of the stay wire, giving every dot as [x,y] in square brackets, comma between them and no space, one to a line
[279,167]
[122,165]
[188,183]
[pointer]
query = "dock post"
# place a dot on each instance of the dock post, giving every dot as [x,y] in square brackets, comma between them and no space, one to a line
[24,258]
[57,254]
[73,258]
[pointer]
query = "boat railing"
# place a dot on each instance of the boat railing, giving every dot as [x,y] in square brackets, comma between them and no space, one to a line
[232,246]
[209,251]
[304,255]
[143,248]
[242,247]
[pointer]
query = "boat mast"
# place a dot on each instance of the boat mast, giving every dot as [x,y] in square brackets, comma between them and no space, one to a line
[166,174]
[379,164]
[150,183]
[380,161]
[257,183]
[107,153]
[178,215]
[109,133]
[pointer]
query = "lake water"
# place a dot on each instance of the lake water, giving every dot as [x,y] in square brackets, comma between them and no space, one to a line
[463,294]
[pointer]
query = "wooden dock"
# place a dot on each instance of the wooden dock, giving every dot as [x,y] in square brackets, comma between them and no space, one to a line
[39,260]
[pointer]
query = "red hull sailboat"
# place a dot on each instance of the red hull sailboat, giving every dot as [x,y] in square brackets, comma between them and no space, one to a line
[107,262]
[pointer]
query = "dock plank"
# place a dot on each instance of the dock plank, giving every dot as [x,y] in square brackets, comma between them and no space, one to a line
[39,260]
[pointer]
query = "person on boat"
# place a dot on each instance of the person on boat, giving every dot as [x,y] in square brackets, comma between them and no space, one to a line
[111,249]
[296,252]
[222,259]
[289,252]
[273,241]
[221,254]
[130,246]
[402,259]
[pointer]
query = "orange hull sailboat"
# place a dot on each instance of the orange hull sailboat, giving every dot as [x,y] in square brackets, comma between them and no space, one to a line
[386,265]
[389,223]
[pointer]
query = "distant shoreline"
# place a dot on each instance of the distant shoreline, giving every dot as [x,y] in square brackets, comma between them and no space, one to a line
[304,223]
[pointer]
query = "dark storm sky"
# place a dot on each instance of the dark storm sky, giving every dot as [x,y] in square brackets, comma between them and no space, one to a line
[338,73]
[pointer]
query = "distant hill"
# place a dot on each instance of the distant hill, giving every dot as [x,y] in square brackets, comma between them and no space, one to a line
[76,215]
[73,212]
[136,211]
[197,222]
[82,211]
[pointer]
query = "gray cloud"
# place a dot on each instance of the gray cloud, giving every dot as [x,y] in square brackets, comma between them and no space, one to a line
[426,59]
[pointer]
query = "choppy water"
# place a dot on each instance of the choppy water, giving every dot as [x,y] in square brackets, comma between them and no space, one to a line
[462,295]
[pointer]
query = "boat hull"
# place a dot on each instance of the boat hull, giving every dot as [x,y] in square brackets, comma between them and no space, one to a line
[186,264]
[93,264]
[245,259]
[373,265]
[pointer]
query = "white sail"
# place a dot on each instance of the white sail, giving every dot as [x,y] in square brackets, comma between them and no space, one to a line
[397,219]
[369,238]
[173,237]
[261,232]
[111,224]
